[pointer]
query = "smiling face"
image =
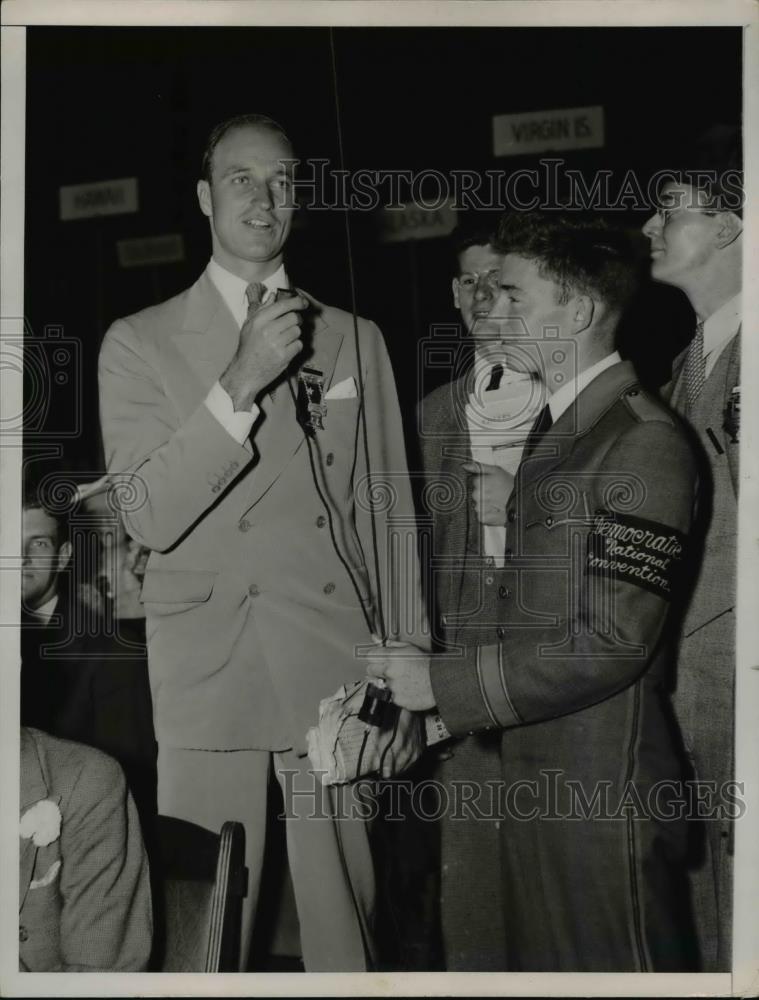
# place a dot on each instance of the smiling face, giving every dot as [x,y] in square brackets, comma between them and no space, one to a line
[475,288]
[43,557]
[246,200]
[684,237]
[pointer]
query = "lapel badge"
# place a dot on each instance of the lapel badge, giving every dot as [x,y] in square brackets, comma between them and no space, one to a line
[732,420]
[311,409]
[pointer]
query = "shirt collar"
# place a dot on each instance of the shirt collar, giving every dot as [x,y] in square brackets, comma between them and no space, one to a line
[563,398]
[722,324]
[232,288]
[44,613]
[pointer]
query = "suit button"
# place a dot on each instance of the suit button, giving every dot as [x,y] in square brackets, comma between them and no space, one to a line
[253,590]
[245,525]
[330,458]
[321,521]
[488,580]
[511,516]
[504,592]
[501,632]
[329,588]
[549,522]
[23,934]
[508,554]
[490,561]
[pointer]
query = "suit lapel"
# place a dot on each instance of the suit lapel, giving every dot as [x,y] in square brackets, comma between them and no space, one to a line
[589,406]
[460,529]
[278,435]
[196,354]
[33,789]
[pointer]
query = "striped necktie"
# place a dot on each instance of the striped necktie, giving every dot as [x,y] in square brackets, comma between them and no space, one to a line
[254,293]
[695,368]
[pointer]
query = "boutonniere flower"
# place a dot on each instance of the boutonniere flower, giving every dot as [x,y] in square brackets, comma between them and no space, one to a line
[41,822]
[732,417]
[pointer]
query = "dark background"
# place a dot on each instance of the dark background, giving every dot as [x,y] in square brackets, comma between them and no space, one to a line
[139,102]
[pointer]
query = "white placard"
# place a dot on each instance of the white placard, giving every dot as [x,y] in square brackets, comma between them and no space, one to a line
[548,131]
[166,249]
[83,201]
[416,223]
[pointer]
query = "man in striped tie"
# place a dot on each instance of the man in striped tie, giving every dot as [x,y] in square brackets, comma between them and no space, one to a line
[696,246]
[248,417]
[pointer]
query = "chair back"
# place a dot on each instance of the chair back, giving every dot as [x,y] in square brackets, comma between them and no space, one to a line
[202,883]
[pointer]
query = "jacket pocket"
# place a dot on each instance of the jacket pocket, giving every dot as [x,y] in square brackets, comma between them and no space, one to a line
[173,586]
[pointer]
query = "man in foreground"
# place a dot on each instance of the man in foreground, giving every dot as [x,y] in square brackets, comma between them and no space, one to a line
[241,410]
[571,666]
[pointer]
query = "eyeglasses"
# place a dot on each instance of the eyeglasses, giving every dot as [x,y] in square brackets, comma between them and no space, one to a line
[471,279]
[665,213]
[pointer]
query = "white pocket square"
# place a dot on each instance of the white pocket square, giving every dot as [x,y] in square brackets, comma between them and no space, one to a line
[343,390]
[47,878]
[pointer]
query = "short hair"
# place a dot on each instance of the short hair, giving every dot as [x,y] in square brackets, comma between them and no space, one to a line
[713,164]
[36,496]
[468,234]
[580,254]
[239,121]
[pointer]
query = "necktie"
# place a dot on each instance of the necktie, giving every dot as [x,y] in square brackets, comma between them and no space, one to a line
[695,367]
[542,424]
[496,375]
[254,293]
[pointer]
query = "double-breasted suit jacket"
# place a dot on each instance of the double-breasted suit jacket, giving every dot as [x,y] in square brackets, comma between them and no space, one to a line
[263,576]
[571,669]
[84,891]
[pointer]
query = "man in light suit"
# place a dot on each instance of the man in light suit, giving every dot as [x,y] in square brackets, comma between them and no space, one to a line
[568,657]
[251,432]
[84,890]
[696,246]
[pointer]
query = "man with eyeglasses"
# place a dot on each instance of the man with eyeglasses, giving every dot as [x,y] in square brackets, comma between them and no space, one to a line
[472,431]
[696,246]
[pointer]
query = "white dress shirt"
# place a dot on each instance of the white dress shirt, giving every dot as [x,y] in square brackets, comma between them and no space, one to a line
[498,421]
[232,290]
[44,613]
[719,328]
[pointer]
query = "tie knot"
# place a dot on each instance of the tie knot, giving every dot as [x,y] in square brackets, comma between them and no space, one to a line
[254,293]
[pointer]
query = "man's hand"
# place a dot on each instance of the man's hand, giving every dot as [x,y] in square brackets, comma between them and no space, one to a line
[491,489]
[269,340]
[406,669]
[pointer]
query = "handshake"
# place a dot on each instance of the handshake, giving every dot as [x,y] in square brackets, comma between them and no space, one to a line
[365,729]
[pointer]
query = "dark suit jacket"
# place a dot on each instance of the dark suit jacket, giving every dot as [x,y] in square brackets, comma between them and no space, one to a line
[78,683]
[569,667]
[85,897]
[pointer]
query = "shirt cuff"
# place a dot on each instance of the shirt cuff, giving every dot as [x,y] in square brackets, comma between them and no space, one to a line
[237,423]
